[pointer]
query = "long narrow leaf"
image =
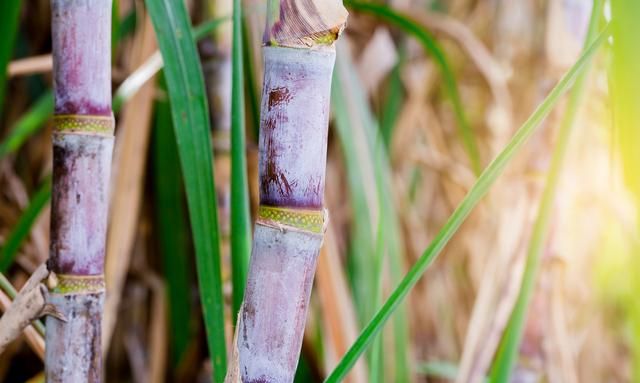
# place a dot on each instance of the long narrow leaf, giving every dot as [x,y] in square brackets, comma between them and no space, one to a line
[28,124]
[115,27]
[240,211]
[127,24]
[349,126]
[443,370]
[479,189]
[22,229]
[201,30]
[9,18]
[625,87]
[369,175]
[508,351]
[250,81]
[393,101]
[414,28]
[191,123]
[173,228]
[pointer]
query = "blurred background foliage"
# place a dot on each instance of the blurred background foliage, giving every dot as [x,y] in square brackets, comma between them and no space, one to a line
[425,94]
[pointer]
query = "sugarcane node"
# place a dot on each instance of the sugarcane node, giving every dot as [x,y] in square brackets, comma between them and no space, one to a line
[83,124]
[69,284]
[303,220]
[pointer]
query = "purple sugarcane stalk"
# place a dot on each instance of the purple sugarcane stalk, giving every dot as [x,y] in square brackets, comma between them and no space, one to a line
[82,149]
[299,55]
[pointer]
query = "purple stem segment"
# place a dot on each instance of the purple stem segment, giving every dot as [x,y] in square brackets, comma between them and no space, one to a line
[81,39]
[292,156]
[281,272]
[294,121]
[81,167]
[81,31]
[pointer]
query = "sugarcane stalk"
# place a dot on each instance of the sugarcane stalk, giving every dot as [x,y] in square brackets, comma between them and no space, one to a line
[82,149]
[299,55]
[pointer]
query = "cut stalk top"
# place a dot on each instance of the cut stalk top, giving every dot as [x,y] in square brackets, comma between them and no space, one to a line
[304,23]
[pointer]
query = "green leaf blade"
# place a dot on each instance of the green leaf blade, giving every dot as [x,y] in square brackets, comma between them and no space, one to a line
[369,175]
[28,124]
[477,192]
[240,210]
[23,227]
[173,231]
[191,123]
[506,358]
[9,18]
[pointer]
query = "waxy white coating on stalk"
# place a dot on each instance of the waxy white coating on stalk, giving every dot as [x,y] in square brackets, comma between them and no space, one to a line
[81,40]
[81,31]
[81,172]
[299,56]
[73,352]
[294,123]
[276,300]
[293,150]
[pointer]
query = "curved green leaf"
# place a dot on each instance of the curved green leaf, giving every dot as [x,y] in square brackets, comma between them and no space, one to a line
[22,229]
[173,227]
[28,124]
[508,351]
[369,176]
[478,190]
[9,19]
[240,210]
[191,123]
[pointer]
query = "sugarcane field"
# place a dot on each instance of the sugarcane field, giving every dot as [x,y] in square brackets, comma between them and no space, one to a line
[280,191]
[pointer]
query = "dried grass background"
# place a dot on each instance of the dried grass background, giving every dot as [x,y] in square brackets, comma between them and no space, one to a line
[506,56]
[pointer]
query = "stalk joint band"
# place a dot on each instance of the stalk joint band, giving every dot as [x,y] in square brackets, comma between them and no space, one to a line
[301,219]
[67,284]
[83,124]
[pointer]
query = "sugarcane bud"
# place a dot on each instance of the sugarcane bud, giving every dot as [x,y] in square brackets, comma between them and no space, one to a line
[52,281]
